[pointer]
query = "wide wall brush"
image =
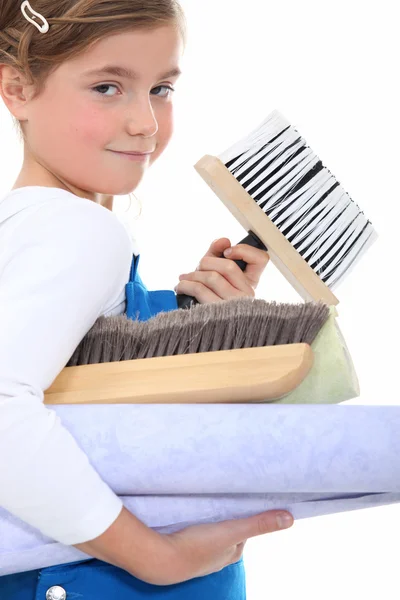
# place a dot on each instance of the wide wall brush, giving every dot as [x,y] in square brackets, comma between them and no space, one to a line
[290,204]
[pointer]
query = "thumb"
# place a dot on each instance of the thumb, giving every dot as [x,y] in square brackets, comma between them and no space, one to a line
[218,246]
[267,522]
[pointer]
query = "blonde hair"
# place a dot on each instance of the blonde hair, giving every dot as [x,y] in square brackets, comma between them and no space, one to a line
[74,26]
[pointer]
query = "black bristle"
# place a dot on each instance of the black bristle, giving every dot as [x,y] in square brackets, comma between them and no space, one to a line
[276,167]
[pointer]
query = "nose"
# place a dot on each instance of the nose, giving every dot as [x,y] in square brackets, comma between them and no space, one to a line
[141,118]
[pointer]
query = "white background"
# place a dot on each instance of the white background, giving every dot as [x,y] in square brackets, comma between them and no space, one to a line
[332,70]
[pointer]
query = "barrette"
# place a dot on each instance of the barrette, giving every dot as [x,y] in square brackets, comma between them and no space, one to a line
[42,28]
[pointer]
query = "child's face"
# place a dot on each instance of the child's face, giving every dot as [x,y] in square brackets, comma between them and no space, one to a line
[72,128]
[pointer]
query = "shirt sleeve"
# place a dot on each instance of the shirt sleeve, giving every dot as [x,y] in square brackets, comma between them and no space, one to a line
[66,264]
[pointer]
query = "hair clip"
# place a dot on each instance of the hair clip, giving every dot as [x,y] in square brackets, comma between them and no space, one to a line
[42,28]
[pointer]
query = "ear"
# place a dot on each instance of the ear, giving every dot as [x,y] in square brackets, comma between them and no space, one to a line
[14,91]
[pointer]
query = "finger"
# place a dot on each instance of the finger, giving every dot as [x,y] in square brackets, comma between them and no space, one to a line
[202,293]
[237,530]
[217,247]
[255,258]
[217,284]
[229,271]
[237,555]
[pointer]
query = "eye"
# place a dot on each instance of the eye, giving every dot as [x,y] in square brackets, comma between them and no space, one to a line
[104,85]
[155,91]
[163,87]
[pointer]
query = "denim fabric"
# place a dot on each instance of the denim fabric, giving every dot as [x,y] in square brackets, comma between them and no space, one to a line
[142,304]
[96,580]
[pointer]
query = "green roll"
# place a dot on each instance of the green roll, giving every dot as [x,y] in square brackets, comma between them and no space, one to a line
[332,378]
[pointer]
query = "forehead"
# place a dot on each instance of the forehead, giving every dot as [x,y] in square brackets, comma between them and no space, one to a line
[138,52]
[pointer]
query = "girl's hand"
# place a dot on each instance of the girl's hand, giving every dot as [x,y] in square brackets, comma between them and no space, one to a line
[217,278]
[167,559]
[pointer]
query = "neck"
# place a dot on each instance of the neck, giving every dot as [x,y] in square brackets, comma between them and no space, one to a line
[105,200]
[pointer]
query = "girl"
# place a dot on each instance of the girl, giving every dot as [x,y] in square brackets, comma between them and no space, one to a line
[89,84]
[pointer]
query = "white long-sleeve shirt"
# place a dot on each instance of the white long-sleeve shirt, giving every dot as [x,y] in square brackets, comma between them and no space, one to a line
[64,262]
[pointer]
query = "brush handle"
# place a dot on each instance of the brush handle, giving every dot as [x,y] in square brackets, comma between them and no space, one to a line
[185,301]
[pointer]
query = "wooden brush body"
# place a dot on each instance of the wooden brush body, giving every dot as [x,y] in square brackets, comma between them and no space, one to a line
[240,375]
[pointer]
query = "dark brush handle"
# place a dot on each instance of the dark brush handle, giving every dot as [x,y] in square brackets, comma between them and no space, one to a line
[185,301]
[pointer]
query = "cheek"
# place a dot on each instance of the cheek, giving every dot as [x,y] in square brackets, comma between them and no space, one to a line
[90,127]
[81,120]
[56,130]
[77,128]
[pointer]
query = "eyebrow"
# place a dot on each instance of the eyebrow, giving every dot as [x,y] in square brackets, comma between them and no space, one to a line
[128,73]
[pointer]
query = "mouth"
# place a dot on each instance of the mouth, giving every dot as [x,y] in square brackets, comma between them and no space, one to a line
[138,156]
[133,152]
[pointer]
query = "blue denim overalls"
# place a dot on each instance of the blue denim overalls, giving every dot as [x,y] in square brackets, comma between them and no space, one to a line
[93,579]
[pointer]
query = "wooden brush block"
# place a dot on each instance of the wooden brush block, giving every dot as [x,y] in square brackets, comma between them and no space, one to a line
[241,375]
[283,255]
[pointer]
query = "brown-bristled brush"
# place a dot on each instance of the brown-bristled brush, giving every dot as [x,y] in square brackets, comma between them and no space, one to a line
[237,350]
